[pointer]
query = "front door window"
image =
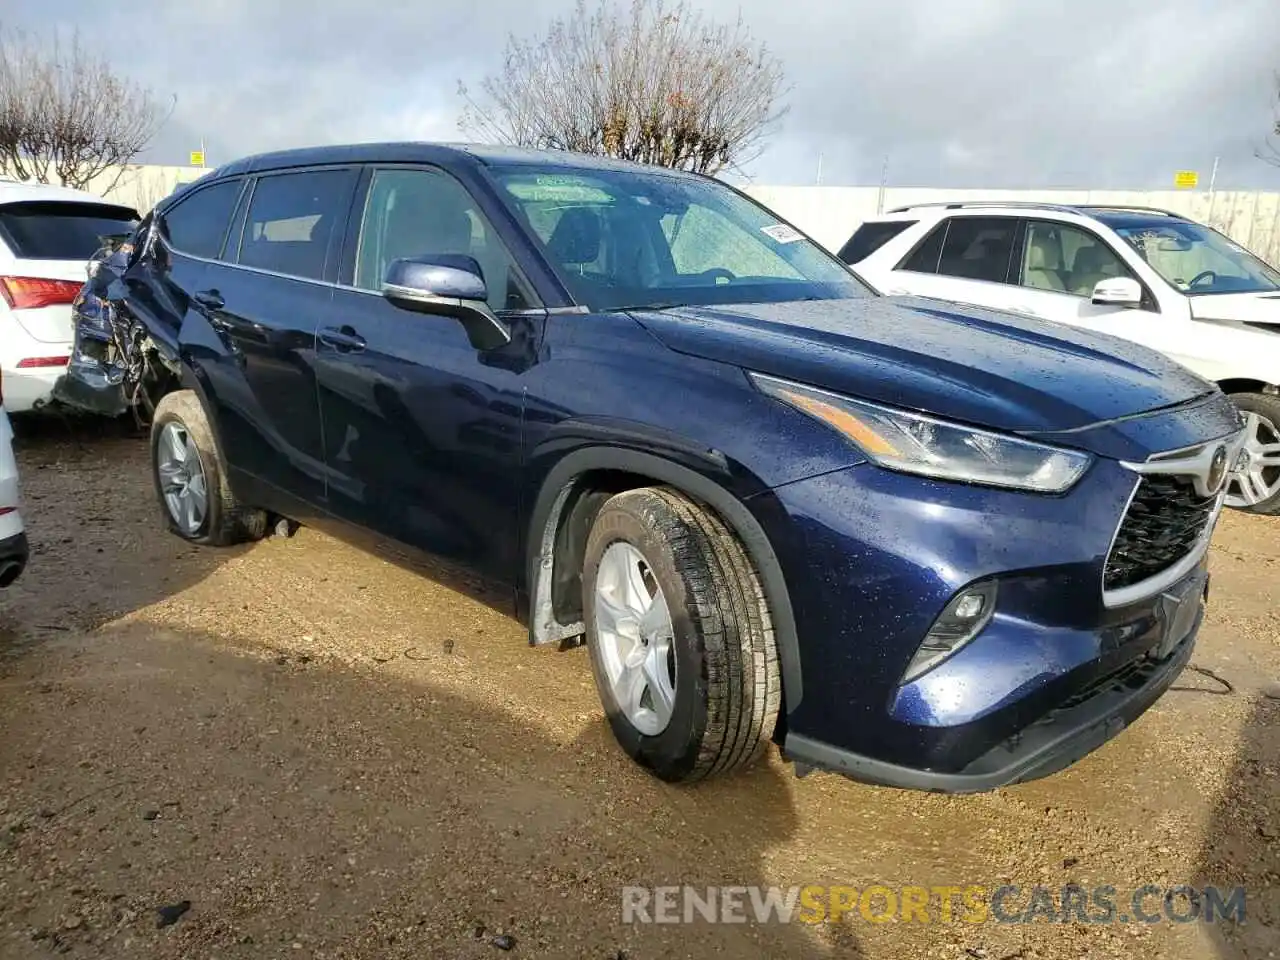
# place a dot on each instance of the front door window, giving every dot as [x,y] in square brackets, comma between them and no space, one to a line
[424,213]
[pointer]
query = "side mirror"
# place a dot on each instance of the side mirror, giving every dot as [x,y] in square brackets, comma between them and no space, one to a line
[447,285]
[1118,292]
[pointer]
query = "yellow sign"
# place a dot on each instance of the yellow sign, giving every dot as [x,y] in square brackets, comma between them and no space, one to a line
[197,158]
[1186,179]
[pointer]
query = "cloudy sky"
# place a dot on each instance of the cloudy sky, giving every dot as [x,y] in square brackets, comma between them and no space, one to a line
[981,93]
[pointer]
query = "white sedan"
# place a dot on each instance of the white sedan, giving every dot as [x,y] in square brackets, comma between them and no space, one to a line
[47,235]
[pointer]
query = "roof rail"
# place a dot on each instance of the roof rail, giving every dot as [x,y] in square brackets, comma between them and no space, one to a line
[1122,207]
[1080,209]
[960,204]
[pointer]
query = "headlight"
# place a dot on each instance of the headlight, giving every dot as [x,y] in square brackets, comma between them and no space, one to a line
[915,443]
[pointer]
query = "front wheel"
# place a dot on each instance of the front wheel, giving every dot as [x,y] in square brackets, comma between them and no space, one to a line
[1255,485]
[680,637]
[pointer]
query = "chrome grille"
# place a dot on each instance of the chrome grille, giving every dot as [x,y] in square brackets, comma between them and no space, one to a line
[1164,523]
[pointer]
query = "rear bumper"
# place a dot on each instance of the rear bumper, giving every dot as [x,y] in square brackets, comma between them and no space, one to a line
[30,388]
[26,390]
[1048,746]
[85,387]
[89,383]
[13,558]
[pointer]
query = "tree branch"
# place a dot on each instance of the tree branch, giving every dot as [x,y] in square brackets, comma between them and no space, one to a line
[651,81]
[66,115]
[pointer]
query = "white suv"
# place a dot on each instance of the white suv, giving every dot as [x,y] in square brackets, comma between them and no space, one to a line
[1146,275]
[47,235]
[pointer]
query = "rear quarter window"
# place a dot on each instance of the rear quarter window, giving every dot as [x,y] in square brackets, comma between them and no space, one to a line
[198,222]
[61,230]
[870,237]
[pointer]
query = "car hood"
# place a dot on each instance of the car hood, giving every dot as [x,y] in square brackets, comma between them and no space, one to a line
[979,366]
[1260,308]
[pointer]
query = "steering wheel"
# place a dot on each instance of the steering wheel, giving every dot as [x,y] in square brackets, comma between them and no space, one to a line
[1201,276]
[715,273]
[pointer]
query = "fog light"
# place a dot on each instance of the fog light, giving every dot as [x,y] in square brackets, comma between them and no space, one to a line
[960,621]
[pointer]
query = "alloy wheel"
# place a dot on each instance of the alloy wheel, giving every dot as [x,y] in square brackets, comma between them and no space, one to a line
[182,478]
[1256,477]
[636,638]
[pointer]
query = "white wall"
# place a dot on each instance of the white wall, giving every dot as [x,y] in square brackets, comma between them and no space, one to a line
[831,214]
[140,185]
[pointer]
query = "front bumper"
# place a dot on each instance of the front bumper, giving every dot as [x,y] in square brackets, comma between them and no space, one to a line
[13,558]
[871,558]
[1053,743]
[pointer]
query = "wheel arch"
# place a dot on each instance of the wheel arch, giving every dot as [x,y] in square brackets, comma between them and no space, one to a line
[191,378]
[1244,385]
[568,499]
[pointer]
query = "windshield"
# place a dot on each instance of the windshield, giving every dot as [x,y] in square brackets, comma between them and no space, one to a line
[631,240]
[1198,260]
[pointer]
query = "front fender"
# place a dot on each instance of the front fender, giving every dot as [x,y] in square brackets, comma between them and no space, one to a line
[706,475]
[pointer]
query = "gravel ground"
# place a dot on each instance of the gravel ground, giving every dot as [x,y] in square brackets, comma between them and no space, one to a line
[327,754]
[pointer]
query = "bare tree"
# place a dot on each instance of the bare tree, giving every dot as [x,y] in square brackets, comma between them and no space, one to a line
[1271,152]
[647,80]
[66,115]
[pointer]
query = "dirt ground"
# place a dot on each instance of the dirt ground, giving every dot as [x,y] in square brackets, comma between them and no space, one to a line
[329,755]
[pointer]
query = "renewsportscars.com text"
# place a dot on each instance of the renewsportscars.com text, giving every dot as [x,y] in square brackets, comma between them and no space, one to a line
[974,904]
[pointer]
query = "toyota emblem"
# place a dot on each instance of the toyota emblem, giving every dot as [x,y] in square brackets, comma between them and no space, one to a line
[1217,470]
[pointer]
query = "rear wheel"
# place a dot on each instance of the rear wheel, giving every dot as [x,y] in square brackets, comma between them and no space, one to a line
[1255,486]
[680,637]
[190,477]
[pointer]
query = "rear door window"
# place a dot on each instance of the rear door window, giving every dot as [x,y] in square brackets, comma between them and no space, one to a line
[61,230]
[292,219]
[978,248]
[924,258]
[197,225]
[870,237]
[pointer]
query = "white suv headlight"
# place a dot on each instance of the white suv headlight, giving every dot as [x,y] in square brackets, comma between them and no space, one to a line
[924,445]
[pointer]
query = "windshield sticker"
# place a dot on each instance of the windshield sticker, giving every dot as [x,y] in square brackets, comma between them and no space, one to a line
[782,233]
[563,192]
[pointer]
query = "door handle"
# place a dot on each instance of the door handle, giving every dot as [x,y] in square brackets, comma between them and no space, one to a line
[344,339]
[210,299]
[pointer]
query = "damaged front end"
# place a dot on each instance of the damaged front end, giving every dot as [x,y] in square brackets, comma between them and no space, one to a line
[113,367]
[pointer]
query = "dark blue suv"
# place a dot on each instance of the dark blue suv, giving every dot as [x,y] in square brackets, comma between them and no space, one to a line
[923,545]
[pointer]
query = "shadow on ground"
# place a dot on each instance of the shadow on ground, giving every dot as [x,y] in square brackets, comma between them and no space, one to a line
[93,520]
[99,548]
[340,812]
[1242,842]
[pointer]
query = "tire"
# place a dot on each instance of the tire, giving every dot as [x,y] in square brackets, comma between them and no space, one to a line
[224,521]
[727,682]
[1266,408]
